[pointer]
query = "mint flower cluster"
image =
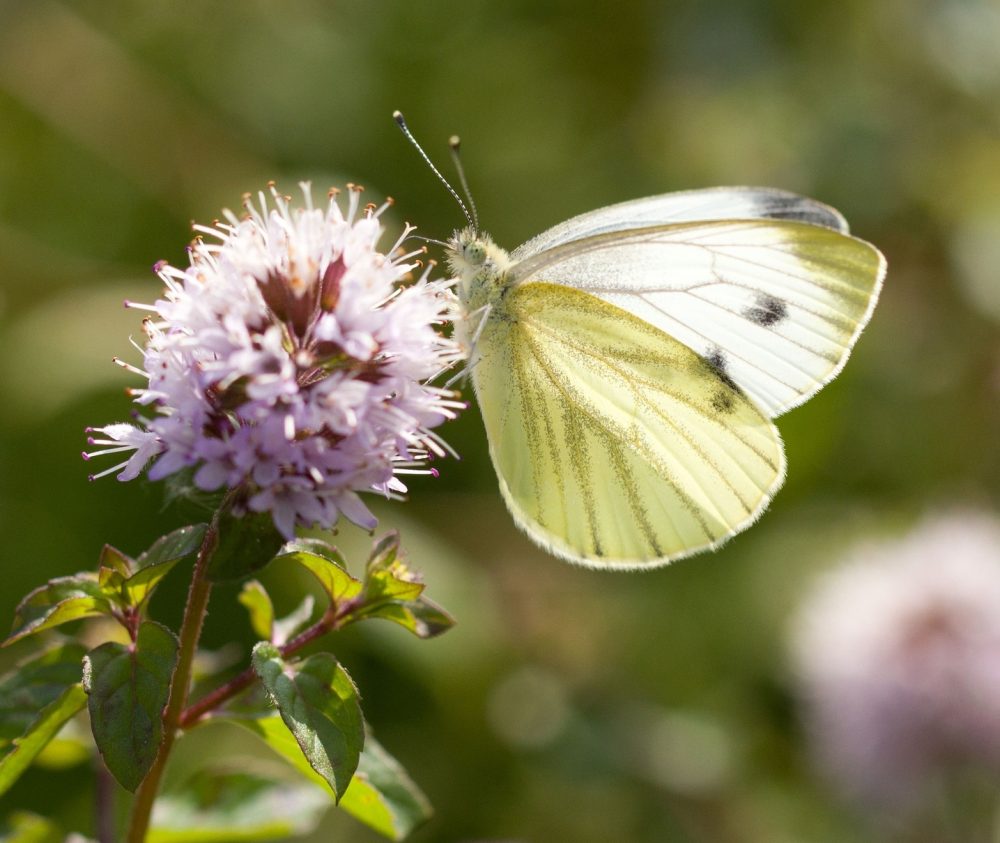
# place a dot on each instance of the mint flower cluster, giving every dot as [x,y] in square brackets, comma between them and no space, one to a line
[292,360]
[898,660]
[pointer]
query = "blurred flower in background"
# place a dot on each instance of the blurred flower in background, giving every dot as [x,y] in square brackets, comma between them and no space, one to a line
[290,360]
[898,659]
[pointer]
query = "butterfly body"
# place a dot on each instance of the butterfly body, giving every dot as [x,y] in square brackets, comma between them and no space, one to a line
[481,268]
[628,363]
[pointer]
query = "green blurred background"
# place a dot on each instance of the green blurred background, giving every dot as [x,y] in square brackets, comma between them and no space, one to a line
[567,704]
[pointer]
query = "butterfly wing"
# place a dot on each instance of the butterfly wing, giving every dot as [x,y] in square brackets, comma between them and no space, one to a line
[616,445]
[776,304]
[716,203]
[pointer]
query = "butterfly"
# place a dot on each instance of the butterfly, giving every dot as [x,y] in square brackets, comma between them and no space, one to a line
[629,362]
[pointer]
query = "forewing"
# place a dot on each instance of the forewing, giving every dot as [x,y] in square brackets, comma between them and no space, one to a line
[717,203]
[776,304]
[615,445]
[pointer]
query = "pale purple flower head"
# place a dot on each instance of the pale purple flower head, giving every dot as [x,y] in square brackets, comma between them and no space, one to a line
[292,360]
[898,657]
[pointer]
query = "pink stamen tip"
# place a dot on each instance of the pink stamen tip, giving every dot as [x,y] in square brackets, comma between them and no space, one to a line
[91,478]
[84,454]
[435,473]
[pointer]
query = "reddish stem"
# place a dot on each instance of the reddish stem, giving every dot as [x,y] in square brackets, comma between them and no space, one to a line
[194,616]
[330,621]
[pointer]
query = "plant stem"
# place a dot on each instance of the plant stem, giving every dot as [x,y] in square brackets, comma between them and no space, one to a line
[329,622]
[190,632]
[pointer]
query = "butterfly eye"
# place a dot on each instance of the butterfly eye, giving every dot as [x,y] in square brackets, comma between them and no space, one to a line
[474,252]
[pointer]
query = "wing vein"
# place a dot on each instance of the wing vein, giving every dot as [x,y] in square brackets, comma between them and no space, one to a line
[635,383]
[664,471]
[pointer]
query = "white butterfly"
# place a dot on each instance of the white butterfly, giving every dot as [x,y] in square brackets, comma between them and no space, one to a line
[628,362]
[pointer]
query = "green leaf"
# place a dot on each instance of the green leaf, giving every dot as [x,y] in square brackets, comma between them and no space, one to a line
[246,545]
[222,806]
[394,593]
[381,794]
[128,687]
[319,704]
[35,684]
[153,565]
[331,571]
[260,608]
[59,601]
[72,746]
[384,552]
[23,750]
[113,559]
[391,584]
[271,729]
[174,546]
[386,574]
[422,617]
[321,547]
[24,827]
[114,567]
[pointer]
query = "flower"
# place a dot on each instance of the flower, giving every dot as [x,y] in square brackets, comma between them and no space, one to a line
[898,657]
[291,361]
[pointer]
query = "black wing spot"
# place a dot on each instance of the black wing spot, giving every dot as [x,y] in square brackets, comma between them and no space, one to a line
[716,361]
[767,311]
[724,400]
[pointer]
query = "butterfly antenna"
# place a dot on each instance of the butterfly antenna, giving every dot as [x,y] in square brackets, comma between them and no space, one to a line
[428,240]
[398,117]
[454,143]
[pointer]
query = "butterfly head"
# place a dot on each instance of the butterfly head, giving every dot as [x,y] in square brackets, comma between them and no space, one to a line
[478,263]
[470,253]
[467,250]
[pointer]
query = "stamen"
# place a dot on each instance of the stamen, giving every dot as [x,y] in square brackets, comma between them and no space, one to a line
[306,188]
[129,367]
[104,451]
[107,471]
[407,228]
[434,438]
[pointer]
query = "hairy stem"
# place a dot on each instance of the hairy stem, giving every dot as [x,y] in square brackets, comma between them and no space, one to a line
[330,621]
[194,616]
